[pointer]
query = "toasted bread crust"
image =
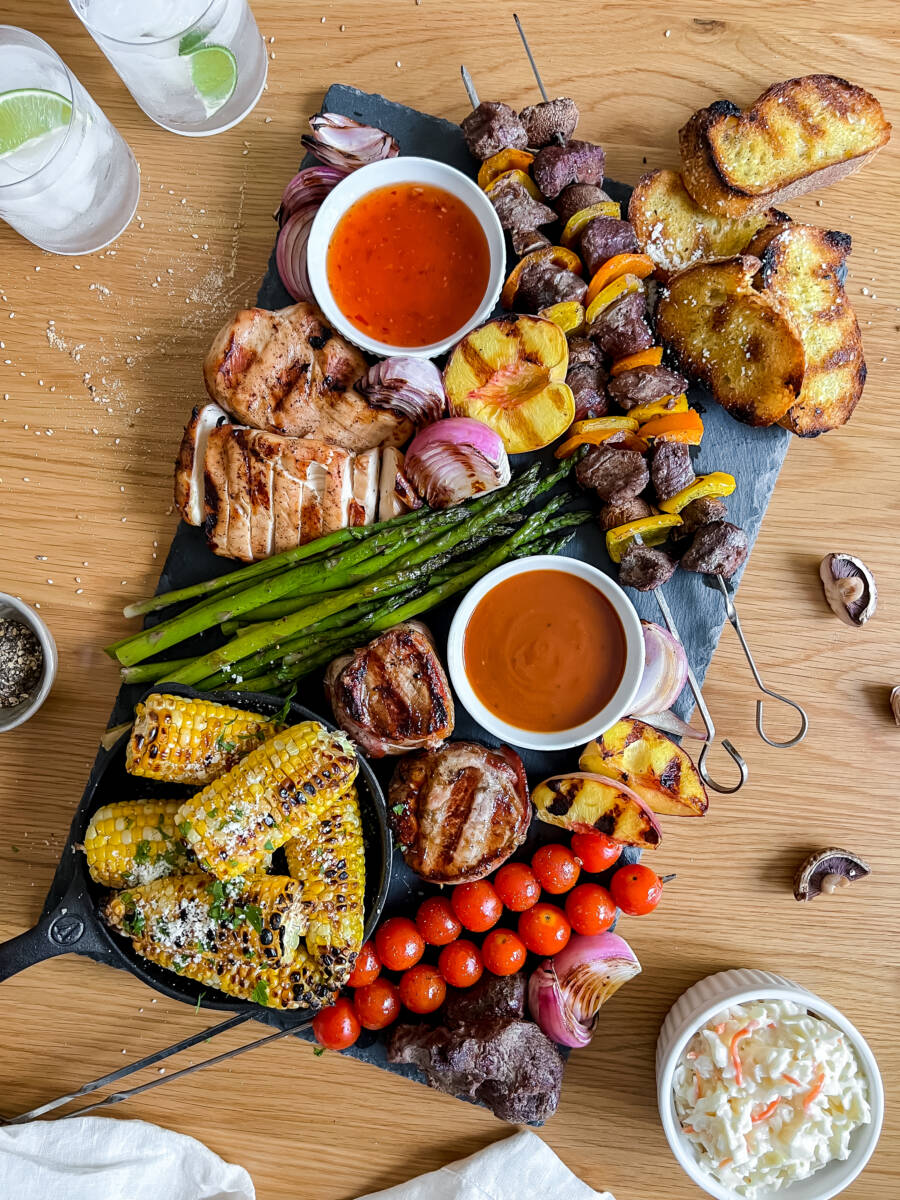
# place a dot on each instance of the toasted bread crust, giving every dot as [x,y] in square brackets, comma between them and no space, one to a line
[798,135]
[676,232]
[733,338]
[802,270]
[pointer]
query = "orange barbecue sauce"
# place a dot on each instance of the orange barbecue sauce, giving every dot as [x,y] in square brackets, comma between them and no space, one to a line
[408,264]
[544,651]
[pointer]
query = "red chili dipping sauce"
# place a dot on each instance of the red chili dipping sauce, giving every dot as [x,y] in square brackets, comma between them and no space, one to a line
[408,264]
[544,651]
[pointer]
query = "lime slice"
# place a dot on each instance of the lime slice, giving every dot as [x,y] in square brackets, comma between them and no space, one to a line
[214,72]
[31,113]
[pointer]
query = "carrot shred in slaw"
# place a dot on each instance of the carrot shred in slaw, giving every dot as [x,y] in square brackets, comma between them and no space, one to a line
[765,1112]
[735,1056]
[818,1084]
[791,1079]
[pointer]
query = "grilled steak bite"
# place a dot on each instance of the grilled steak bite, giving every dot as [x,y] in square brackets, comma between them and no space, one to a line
[555,167]
[588,384]
[671,468]
[491,997]
[287,372]
[622,328]
[603,238]
[576,197]
[493,126]
[642,385]
[543,283]
[583,350]
[550,121]
[645,568]
[718,548]
[614,474]
[613,515]
[392,696]
[702,511]
[517,208]
[460,811]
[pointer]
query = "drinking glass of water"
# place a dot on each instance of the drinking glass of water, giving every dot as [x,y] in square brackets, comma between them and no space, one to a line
[194,66]
[68,182]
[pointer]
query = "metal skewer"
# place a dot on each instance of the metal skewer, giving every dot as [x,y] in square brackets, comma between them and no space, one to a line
[534,69]
[732,614]
[469,85]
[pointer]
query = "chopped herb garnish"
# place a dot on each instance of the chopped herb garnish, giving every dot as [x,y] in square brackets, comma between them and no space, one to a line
[268,846]
[142,852]
[318,1051]
[199,998]
[254,916]
[281,716]
[398,809]
[185,828]
[260,993]
[15,849]
[135,923]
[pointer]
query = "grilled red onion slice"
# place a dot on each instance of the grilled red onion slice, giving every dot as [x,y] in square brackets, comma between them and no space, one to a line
[565,992]
[409,386]
[454,459]
[665,671]
[290,254]
[308,189]
[340,142]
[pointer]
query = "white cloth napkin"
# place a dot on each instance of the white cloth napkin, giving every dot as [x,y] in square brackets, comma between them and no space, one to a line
[518,1166]
[97,1158]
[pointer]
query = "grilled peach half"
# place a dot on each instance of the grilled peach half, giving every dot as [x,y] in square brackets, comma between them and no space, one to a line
[585,801]
[510,374]
[650,764]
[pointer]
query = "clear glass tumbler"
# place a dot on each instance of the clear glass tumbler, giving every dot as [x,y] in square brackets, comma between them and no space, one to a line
[68,182]
[194,66]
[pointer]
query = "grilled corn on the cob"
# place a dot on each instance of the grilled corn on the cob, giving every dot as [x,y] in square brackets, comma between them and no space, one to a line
[178,740]
[328,859]
[134,842]
[267,799]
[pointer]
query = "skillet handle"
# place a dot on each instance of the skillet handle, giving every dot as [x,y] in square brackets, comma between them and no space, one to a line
[69,929]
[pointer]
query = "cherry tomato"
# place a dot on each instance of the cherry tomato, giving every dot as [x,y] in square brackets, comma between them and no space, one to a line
[503,952]
[399,944]
[436,921]
[557,868]
[377,1004]
[636,890]
[544,929]
[517,886]
[477,905]
[367,967]
[590,908]
[595,851]
[337,1026]
[422,989]
[460,963]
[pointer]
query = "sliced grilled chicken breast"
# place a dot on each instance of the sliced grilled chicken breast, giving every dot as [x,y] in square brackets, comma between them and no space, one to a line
[190,464]
[288,372]
[396,494]
[365,475]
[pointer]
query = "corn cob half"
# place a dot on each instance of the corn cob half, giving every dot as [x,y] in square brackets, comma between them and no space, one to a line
[328,858]
[134,842]
[178,740]
[267,799]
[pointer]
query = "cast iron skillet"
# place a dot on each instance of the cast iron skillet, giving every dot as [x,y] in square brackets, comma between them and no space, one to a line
[72,923]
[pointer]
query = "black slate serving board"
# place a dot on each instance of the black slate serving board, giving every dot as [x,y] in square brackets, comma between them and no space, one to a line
[753,456]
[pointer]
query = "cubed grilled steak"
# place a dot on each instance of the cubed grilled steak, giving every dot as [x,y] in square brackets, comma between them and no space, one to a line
[392,696]
[459,811]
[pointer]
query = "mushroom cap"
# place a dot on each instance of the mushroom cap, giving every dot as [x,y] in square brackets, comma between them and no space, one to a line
[550,121]
[837,567]
[831,861]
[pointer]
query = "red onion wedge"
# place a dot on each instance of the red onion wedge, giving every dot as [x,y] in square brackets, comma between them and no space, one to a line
[341,142]
[412,387]
[456,458]
[290,254]
[565,992]
[308,189]
[665,671]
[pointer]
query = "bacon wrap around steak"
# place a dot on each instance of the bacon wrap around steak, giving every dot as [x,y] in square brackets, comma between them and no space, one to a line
[460,811]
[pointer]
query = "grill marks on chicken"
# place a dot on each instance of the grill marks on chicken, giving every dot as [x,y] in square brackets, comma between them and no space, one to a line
[392,696]
[286,372]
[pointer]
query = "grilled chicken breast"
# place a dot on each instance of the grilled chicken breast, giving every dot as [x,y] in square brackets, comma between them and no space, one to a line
[392,696]
[459,811]
[287,372]
[259,493]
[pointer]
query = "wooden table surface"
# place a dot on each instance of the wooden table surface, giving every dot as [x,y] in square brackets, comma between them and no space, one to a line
[100,367]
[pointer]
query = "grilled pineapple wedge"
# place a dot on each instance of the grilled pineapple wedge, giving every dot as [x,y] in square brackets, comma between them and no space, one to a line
[267,799]
[179,740]
[651,764]
[135,841]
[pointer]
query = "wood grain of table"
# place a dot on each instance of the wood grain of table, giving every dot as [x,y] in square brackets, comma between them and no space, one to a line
[100,366]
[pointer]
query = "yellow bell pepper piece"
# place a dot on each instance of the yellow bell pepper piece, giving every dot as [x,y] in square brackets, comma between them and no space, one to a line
[719,483]
[527,182]
[579,221]
[652,530]
[567,314]
[629,424]
[498,164]
[623,286]
[660,408]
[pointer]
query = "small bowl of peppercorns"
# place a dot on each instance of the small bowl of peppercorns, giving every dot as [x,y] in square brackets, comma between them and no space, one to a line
[27,662]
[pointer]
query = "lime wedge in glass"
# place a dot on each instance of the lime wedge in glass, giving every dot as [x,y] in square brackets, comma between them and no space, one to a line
[214,73]
[28,114]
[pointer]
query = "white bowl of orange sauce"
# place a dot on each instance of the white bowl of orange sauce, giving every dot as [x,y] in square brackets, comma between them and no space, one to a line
[546,652]
[406,256]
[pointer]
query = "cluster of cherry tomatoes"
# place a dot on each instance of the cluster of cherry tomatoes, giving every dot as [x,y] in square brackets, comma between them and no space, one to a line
[542,928]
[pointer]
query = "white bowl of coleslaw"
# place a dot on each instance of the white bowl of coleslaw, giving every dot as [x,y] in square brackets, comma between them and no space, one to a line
[766,1091]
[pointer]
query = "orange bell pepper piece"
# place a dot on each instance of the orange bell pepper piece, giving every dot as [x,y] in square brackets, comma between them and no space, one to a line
[675,427]
[594,437]
[509,159]
[643,358]
[640,265]
[557,254]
